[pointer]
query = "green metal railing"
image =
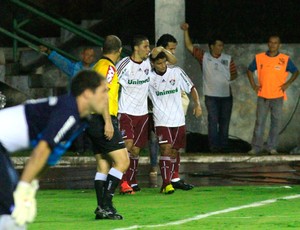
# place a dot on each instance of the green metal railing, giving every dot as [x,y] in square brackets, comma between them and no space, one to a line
[27,38]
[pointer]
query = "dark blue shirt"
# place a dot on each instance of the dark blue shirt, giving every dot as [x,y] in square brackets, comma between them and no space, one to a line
[55,120]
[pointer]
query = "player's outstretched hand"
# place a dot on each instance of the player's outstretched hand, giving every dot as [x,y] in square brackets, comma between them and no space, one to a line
[25,202]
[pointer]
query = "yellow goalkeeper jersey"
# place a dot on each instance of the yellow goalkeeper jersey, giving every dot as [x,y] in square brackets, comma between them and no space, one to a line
[107,69]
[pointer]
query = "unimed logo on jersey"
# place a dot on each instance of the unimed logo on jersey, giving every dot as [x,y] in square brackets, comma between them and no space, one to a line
[110,73]
[66,127]
[138,82]
[165,92]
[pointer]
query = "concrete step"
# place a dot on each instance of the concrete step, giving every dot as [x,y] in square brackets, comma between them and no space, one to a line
[200,170]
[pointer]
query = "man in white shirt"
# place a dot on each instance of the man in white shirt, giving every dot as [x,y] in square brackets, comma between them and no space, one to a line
[218,70]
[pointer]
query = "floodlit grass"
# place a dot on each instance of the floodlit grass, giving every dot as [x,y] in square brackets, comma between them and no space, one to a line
[73,209]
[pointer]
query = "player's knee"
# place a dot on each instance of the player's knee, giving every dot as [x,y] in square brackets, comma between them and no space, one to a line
[121,161]
[166,150]
[135,151]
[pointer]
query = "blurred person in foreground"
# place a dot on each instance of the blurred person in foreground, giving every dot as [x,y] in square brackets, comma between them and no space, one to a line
[49,126]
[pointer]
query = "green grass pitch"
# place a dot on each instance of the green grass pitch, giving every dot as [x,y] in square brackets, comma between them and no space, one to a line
[200,208]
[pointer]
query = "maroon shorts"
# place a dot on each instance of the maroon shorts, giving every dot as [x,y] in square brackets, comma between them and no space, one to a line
[171,135]
[135,128]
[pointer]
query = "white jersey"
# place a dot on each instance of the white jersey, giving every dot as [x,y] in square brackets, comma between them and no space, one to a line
[216,75]
[10,121]
[134,80]
[165,94]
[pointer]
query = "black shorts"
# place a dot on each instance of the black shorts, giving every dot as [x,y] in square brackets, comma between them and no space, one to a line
[95,132]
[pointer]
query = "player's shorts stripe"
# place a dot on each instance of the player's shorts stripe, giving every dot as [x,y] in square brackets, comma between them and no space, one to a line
[142,130]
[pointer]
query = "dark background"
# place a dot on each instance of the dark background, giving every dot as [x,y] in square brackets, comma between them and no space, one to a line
[236,21]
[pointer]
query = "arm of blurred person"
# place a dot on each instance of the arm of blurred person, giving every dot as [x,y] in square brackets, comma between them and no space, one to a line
[36,162]
[197,111]
[187,40]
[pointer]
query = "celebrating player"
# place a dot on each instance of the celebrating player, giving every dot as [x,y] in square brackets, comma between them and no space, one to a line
[134,79]
[49,125]
[166,84]
[169,42]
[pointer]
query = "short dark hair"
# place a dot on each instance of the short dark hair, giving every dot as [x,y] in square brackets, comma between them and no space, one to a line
[165,39]
[160,55]
[214,39]
[87,48]
[137,40]
[112,44]
[274,36]
[85,79]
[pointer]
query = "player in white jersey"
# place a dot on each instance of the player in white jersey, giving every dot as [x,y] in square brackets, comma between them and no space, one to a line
[134,79]
[166,84]
[169,42]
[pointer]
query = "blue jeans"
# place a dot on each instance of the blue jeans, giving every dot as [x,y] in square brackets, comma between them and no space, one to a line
[263,108]
[219,113]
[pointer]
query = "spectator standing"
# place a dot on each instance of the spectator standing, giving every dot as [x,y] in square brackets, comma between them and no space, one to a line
[272,70]
[218,71]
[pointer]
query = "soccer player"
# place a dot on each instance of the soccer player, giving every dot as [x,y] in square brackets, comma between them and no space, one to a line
[166,84]
[134,79]
[106,137]
[48,125]
[169,42]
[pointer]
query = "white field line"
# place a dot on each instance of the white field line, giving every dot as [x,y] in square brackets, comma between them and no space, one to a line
[202,216]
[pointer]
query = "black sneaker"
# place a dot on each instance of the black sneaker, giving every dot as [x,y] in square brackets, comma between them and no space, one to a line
[107,213]
[136,188]
[182,185]
[112,214]
[100,213]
